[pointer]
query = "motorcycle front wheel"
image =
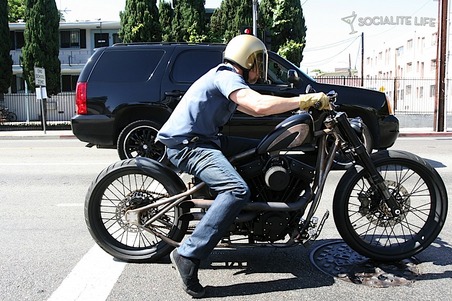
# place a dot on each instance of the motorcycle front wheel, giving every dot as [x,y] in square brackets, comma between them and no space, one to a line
[123,186]
[364,221]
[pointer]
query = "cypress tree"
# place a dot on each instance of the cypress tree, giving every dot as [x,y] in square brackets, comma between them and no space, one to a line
[166,19]
[285,21]
[189,21]
[41,47]
[140,22]
[6,63]
[229,19]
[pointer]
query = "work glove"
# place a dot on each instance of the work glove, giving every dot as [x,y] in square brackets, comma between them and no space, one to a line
[318,100]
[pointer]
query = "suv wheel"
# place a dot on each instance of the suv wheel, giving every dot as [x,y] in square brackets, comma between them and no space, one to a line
[138,140]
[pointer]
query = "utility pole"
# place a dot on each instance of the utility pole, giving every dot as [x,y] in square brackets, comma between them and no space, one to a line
[255,8]
[362,59]
[439,112]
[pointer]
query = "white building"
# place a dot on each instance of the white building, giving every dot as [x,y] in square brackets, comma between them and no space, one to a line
[77,43]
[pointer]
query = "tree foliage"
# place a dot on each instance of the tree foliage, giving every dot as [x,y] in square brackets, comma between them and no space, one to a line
[140,22]
[16,10]
[166,19]
[228,20]
[41,47]
[6,63]
[189,21]
[285,21]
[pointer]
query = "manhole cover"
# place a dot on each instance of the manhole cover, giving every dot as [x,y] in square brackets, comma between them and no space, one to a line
[337,259]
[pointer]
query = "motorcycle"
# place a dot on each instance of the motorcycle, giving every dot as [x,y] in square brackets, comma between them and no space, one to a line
[6,115]
[387,206]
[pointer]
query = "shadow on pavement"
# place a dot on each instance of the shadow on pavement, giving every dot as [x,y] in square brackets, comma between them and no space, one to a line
[296,261]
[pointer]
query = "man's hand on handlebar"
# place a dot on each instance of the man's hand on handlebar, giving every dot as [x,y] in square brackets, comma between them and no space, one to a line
[319,101]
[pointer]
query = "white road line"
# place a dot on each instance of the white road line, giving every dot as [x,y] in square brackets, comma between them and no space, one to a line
[91,279]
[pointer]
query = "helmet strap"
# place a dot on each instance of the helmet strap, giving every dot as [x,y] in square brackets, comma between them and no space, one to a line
[246,74]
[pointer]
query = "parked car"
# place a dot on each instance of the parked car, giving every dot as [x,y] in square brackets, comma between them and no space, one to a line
[127,91]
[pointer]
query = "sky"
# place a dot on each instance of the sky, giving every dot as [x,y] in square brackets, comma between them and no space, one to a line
[334,28]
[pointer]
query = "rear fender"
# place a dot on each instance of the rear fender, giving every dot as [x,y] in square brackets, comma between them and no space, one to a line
[151,167]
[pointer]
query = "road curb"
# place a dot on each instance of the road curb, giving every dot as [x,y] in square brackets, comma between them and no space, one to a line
[429,134]
[31,135]
[34,135]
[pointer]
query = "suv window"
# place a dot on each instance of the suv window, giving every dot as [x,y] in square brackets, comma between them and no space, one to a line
[187,67]
[277,73]
[126,66]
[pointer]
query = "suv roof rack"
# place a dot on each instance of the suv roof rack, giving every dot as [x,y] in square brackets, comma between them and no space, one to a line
[164,43]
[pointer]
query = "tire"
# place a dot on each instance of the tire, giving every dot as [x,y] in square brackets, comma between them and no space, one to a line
[138,140]
[11,117]
[366,227]
[123,186]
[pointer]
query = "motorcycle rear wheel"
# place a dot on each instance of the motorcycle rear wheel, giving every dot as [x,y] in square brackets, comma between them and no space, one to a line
[123,186]
[363,219]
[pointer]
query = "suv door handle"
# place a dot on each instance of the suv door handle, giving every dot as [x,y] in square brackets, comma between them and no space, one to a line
[174,93]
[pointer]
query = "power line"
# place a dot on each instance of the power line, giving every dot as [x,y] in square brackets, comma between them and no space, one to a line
[329,59]
[332,45]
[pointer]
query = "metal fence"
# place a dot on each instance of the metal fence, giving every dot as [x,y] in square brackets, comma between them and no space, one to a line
[59,107]
[408,96]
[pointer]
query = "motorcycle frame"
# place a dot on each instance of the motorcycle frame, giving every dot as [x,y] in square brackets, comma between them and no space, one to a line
[337,126]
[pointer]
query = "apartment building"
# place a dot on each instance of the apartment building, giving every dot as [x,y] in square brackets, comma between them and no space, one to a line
[409,68]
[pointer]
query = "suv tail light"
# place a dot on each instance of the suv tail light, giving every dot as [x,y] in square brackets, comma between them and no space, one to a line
[80,98]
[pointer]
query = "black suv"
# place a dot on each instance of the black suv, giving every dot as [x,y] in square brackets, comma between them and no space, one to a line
[127,91]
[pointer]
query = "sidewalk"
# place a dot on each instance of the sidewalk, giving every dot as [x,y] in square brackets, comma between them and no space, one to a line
[423,132]
[67,134]
[34,134]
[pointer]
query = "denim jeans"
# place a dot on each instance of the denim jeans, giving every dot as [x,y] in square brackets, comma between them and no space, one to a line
[206,162]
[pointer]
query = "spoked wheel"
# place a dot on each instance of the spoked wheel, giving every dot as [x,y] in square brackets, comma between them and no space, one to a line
[138,140]
[123,186]
[11,117]
[364,221]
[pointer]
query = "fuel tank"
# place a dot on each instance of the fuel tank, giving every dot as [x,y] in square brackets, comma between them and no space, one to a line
[294,131]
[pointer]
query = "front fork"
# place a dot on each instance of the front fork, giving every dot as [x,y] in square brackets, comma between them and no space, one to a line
[374,176]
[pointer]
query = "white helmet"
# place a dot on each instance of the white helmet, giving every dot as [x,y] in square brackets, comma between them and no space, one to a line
[246,51]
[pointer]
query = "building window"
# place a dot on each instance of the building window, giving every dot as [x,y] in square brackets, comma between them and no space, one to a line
[420,92]
[116,38]
[17,39]
[409,67]
[433,65]
[434,39]
[68,82]
[101,40]
[408,90]
[17,84]
[70,38]
[410,44]
[432,90]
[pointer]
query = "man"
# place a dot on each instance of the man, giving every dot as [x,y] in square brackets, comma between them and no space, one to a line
[194,145]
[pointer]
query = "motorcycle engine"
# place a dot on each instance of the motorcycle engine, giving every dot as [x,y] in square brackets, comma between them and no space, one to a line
[277,176]
[271,226]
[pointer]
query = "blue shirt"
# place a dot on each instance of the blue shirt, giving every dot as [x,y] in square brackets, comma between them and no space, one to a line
[204,108]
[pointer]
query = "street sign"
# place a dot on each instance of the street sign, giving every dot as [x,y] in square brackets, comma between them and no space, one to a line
[40,76]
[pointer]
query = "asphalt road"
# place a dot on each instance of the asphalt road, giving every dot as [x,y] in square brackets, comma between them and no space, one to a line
[46,252]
